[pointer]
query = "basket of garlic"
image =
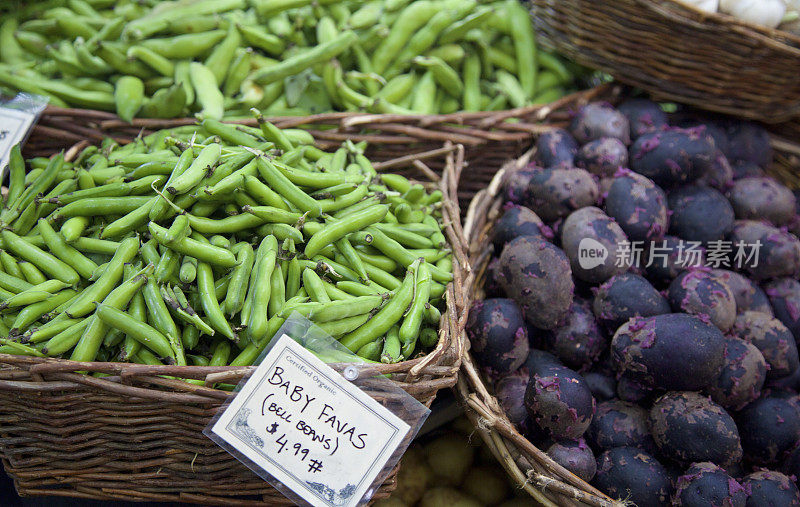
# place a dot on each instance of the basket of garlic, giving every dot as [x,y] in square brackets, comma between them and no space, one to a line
[737,57]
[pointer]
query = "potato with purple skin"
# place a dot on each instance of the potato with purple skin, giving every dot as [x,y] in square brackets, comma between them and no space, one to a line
[700,214]
[748,295]
[578,342]
[515,185]
[597,120]
[555,148]
[762,199]
[498,336]
[770,427]
[555,193]
[673,156]
[617,423]
[791,465]
[537,275]
[665,259]
[772,338]
[633,475]
[638,205]
[784,298]
[715,128]
[719,175]
[748,141]
[766,251]
[767,487]
[590,229]
[707,485]
[517,221]
[688,427]
[575,456]
[742,377]
[744,169]
[627,295]
[559,402]
[675,351]
[603,157]
[643,115]
[699,292]
[510,393]
[633,391]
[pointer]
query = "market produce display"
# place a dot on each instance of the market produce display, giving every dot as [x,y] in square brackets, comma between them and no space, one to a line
[641,315]
[193,246]
[220,58]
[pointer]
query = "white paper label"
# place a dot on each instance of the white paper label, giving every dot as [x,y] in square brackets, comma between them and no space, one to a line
[14,125]
[308,427]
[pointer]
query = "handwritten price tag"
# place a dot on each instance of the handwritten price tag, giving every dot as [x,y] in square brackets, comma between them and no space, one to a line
[304,424]
[14,126]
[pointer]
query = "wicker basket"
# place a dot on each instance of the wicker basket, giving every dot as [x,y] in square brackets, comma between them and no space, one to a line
[136,434]
[488,138]
[679,53]
[545,480]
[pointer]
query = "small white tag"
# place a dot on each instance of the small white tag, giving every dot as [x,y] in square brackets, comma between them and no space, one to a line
[14,126]
[301,422]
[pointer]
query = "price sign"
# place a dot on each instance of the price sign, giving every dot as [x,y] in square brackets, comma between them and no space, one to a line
[304,424]
[14,126]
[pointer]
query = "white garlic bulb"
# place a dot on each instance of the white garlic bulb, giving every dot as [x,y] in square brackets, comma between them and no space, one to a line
[760,12]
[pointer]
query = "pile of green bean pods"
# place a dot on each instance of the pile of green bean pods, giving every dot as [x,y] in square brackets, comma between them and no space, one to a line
[194,245]
[219,58]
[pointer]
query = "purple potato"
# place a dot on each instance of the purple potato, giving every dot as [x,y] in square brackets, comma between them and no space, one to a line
[700,214]
[510,393]
[602,385]
[639,206]
[517,221]
[555,148]
[772,338]
[559,402]
[767,487]
[536,275]
[575,456]
[517,182]
[673,156]
[747,294]
[744,169]
[555,193]
[675,351]
[715,128]
[578,342]
[618,423]
[742,377]
[762,199]
[643,115]
[770,428]
[625,296]
[540,360]
[699,292]
[631,474]
[719,175]
[590,238]
[632,390]
[597,120]
[707,485]
[784,297]
[748,141]
[688,427]
[766,251]
[498,336]
[667,258]
[603,157]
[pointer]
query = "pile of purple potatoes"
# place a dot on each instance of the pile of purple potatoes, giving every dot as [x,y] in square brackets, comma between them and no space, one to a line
[660,378]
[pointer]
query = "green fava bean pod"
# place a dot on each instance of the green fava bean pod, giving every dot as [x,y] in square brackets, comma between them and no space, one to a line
[146,335]
[237,288]
[339,229]
[128,97]
[188,246]
[207,91]
[41,259]
[411,324]
[257,323]
[69,255]
[391,347]
[208,298]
